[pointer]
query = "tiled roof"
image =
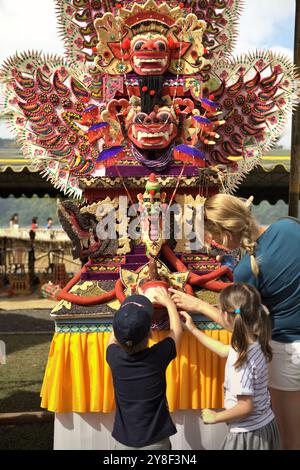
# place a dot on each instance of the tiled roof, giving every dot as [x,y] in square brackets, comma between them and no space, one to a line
[18,177]
[13,158]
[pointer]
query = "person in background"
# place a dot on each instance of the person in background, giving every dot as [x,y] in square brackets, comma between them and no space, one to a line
[34,224]
[247,401]
[272,265]
[142,419]
[14,221]
[49,225]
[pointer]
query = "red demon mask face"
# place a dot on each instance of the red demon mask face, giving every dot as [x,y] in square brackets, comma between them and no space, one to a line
[149,54]
[153,131]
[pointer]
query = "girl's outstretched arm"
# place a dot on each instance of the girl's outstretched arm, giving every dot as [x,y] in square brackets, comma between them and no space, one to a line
[243,408]
[195,305]
[212,344]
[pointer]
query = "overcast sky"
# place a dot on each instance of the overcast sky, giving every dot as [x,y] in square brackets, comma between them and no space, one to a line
[31,25]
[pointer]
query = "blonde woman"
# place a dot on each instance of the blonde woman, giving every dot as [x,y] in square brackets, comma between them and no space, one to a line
[272,265]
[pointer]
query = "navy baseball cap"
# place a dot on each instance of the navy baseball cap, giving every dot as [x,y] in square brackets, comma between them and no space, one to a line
[132,321]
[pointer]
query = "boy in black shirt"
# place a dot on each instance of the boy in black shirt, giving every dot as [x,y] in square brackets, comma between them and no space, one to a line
[142,418]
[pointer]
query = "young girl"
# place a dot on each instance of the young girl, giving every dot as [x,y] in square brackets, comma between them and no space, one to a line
[247,401]
[272,265]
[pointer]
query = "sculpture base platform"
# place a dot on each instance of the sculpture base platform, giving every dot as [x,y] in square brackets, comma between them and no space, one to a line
[92,431]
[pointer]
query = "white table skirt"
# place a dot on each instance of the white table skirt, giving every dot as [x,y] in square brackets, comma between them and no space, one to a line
[92,431]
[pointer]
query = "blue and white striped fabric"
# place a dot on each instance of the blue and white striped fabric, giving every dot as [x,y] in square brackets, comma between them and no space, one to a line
[250,379]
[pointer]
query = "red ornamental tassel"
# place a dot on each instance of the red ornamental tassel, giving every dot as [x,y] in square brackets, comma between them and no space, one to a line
[109,162]
[110,157]
[96,132]
[126,44]
[189,154]
[90,116]
[173,44]
[182,157]
[209,105]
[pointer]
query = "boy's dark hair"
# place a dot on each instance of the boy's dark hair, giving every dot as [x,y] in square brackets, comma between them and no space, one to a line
[251,320]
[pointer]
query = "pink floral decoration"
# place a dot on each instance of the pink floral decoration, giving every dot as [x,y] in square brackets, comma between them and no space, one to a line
[278,68]
[69,10]
[281,102]
[224,75]
[241,70]
[223,38]
[260,64]
[80,57]
[79,42]
[20,121]
[273,120]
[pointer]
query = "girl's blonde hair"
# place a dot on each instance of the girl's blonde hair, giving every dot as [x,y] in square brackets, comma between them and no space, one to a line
[224,212]
[251,320]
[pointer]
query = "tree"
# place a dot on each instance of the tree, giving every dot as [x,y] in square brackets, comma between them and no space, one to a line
[295,151]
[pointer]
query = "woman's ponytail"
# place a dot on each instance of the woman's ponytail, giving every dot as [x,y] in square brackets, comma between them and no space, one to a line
[249,245]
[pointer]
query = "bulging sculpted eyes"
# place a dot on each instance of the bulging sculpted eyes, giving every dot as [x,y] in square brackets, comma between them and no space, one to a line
[163,117]
[139,118]
[138,45]
[161,45]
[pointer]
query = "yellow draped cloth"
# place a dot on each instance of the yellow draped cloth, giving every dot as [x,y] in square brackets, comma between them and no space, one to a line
[78,378]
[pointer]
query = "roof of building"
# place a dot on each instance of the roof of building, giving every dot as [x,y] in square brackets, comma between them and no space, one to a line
[270,179]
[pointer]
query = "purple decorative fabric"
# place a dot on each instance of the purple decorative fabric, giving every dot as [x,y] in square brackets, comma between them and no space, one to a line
[202,120]
[190,150]
[109,153]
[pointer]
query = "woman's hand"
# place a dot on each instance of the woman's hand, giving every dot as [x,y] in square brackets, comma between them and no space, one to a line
[162,297]
[209,416]
[188,324]
[185,301]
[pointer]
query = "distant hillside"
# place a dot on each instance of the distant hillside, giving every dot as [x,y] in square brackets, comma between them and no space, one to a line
[8,143]
[27,208]
[46,207]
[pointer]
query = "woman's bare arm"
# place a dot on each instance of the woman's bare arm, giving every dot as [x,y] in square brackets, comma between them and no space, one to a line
[192,304]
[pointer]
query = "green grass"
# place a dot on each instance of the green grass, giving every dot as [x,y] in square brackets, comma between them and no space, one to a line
[20,384]
[22,375]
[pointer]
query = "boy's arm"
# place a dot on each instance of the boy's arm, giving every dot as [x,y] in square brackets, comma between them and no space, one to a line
[243,408]
[111,339]
[212,344]
[175,323]
[163,298]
